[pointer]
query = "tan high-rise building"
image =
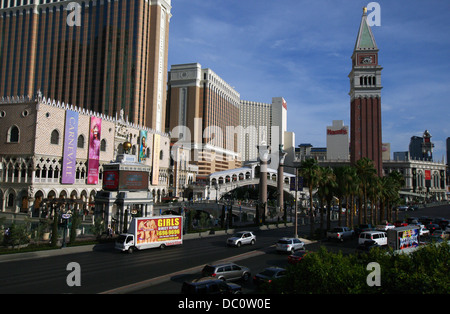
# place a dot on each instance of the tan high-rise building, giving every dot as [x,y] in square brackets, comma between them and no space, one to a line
[203,114]
[101,55]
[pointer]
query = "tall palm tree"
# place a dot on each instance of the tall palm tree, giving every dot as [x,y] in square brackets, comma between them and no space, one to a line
[397,183]
[342,190]
[309,170]
[374,194]
[326,186]
[366,170]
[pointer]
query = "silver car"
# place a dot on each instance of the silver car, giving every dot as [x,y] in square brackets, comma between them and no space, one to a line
[226,271]
[289,245]
[242,237]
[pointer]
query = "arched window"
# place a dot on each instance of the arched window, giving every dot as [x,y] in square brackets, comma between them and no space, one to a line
[10,201]
[13,134]
[103,145]
[80,142]
[54,138]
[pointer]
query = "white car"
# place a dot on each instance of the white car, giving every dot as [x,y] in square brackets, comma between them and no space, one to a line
[241,237]
[424,232]
[379,237]
[289,245]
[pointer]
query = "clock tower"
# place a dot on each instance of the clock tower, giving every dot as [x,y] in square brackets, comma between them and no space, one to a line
[365,98]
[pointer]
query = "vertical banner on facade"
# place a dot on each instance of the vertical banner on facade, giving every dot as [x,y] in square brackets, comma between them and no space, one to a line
[155,165]
[70,148]
[143,145]
[94,150]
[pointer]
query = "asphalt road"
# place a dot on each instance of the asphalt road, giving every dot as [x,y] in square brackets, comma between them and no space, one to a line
[154,271]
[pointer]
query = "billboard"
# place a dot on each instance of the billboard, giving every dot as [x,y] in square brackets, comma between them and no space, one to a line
[143,145]
[70,148]
[113,180]
[150,230]
[408,239]
[94,150]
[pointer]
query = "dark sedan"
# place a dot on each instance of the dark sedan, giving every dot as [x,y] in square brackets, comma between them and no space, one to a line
[268,275]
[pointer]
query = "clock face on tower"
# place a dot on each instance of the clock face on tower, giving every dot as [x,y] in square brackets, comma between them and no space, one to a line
[367,59]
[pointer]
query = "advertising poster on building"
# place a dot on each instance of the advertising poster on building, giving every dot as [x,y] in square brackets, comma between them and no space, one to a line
[143,145]
[155,164]
[70,148]
[159,229]
[94,150]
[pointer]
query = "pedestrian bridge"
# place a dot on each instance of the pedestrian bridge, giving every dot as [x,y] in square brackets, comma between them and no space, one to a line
[223,182]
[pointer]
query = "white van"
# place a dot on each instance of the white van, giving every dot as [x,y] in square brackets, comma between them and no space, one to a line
[379,237]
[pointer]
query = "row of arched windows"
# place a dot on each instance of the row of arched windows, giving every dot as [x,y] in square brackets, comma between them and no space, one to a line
[13,136]
[367,80]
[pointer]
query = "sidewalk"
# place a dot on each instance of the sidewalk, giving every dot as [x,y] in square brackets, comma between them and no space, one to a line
[93,247]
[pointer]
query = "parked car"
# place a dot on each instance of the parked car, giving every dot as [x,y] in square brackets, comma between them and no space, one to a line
[384,227]
[412,220]
[289,245]
[340,233]
[403,208]
[425,220]
[296,257]
[400,223]
[268,275]
[210,286]
[440,234]
[242,237]
[379,237]
[226,271]
[363,227]
[447,229]
[442,222]
[432,227]
[424,232]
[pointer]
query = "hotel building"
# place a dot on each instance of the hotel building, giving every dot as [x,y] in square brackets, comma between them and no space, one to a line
[203,115]
[102,55]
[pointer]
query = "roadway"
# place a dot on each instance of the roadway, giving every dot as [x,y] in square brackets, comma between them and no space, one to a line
[155,271]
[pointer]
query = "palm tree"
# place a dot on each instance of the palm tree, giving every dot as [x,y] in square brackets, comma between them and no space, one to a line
[326,186]
[353,190]
[397,182]
[365,170]
[342,190]
[374,196]
[309,170]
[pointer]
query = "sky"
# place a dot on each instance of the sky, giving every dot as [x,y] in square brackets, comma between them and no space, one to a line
[300,50]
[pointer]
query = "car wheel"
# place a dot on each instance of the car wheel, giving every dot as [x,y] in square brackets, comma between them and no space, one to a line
[130,249]
[238,244]
[253,242]
[246,276]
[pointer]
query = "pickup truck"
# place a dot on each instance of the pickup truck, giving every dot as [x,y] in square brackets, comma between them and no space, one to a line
[340,233]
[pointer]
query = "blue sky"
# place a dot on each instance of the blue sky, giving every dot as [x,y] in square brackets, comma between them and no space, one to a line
[301,50]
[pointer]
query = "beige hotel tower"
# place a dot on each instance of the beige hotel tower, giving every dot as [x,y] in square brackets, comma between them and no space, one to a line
[104,56]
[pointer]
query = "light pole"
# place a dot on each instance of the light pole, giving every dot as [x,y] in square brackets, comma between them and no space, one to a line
[263,156]
[280,178]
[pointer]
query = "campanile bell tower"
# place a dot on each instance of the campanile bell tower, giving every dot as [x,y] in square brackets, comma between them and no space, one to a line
[365,98]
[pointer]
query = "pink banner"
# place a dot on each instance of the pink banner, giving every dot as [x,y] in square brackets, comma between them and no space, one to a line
[94,150]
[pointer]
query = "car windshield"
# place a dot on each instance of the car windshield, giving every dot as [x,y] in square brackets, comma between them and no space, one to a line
[238,235]
[336,229]
[284,241]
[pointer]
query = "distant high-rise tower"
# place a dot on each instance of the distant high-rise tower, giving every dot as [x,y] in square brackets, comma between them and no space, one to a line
[365,98]
[104,56]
